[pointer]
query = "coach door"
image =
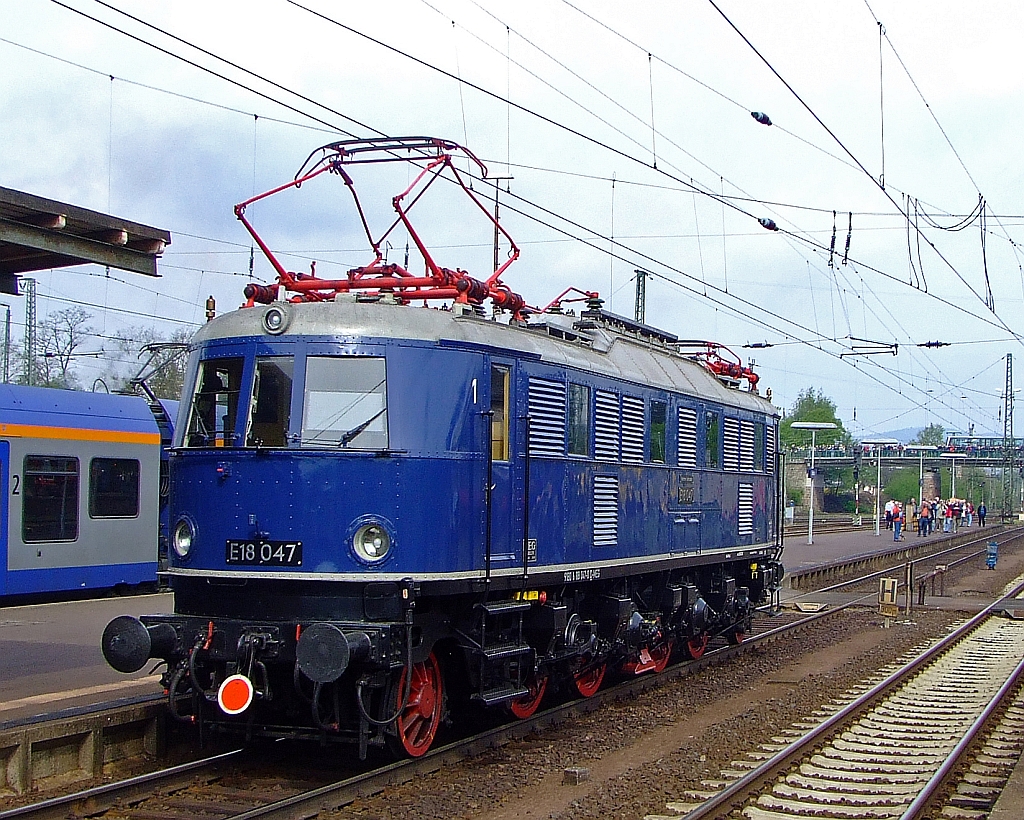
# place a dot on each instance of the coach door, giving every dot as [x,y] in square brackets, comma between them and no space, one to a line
[505,515]
[5,492]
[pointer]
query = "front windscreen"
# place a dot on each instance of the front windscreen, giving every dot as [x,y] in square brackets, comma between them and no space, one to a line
[345,403]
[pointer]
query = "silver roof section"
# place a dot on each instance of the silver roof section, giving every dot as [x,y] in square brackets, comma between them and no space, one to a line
[586,345]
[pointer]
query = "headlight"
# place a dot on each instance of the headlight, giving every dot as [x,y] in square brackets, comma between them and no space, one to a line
[184,533]
[275,320]
[371,543]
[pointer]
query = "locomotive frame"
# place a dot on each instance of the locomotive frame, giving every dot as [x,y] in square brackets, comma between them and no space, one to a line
[383,515]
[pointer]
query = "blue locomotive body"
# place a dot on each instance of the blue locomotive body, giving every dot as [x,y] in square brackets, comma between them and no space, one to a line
[376,507]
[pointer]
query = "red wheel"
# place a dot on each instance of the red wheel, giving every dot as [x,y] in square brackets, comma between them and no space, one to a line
[660,655]
[587,683]
[525,706]
[736,636]
[696,646]
[417,724]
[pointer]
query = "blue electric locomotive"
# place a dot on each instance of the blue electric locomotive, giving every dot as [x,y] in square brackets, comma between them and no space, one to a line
[383,513]
[81,502]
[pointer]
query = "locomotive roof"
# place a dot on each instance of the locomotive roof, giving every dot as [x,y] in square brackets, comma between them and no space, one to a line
[557,339]
[76,409]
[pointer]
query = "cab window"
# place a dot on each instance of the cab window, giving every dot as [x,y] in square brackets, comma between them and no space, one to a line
[213,417]
[271,402]
[345,404]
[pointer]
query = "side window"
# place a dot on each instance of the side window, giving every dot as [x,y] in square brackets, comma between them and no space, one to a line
[659,416]
[499,413]
[49,509]
[213,418]
[759,446]
[271,402]
[579,420]
[711,440]
[113,488]
[345,403]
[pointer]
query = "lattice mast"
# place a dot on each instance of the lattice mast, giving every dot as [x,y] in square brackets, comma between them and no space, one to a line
[1009,454]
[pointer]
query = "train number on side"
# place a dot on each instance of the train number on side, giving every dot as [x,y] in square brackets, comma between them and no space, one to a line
[264,553]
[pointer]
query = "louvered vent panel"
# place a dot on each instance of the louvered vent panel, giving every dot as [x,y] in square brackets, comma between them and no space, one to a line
[731,443]
[606,510]
[547,418]
[747,446]
[746,509]
[687,438]
[632,428]
[606,426]
[771,432]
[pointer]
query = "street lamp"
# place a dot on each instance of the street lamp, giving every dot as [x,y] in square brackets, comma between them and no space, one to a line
[814,427]
[879,443]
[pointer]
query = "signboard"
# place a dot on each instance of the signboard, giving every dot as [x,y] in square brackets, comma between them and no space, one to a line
[887,589]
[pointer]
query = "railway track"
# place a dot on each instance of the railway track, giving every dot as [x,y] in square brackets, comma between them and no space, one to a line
[226,781]
[235,784]
[894,749]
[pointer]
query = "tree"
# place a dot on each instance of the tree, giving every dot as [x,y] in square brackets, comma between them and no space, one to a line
[903,485]
[813,405]
[58,337]
[933,434]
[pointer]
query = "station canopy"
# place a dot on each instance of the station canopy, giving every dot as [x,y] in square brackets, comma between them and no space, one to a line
[39,234]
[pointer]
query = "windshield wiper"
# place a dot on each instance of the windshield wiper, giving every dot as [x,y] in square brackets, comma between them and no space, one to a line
[347,438]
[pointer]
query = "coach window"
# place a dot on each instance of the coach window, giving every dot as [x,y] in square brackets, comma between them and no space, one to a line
[214,415]
[711,440]
[113,488]
[49,511]
[345,404]
[499,413]
[579,420]
[659,415]
[271,402]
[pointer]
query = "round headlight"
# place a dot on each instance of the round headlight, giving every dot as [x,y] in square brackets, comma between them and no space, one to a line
[275,320]
[184,533]
[371,542]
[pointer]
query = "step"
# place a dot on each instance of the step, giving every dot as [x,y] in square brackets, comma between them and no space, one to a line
[500,694]
[504,607]
[502,651]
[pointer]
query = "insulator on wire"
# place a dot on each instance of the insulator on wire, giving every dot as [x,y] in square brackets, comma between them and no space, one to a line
[761,117]
[768,224]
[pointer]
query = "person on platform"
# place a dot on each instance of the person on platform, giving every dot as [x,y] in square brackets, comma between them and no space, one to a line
[969,512]
[889,508]
[923,518]
[981,514]
[897,522]
[947,517]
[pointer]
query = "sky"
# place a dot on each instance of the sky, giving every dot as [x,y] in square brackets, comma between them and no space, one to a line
[627,131]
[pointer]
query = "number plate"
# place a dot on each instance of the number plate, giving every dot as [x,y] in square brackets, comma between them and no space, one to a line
[264,553]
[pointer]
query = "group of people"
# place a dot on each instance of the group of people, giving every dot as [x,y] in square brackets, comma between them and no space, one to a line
[954,513]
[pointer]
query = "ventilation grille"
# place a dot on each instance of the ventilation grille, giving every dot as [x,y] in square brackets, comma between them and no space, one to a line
[687,438]
[547,418]
[606,510]
[771,433]
[731,442]
[747,446]
[745,506]
[606,426]
[632,429]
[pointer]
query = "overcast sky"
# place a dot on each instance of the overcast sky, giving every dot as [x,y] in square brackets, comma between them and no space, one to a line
[924,119]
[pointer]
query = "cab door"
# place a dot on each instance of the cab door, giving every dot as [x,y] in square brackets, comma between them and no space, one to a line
[505,514]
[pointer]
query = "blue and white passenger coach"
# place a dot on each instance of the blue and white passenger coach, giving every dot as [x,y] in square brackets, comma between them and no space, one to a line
[384,514]
[81,487]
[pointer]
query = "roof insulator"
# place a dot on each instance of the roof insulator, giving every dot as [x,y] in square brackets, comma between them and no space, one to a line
[768,224]
[761,117]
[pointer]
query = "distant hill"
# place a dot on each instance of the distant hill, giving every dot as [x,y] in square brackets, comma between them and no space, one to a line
[906,435]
